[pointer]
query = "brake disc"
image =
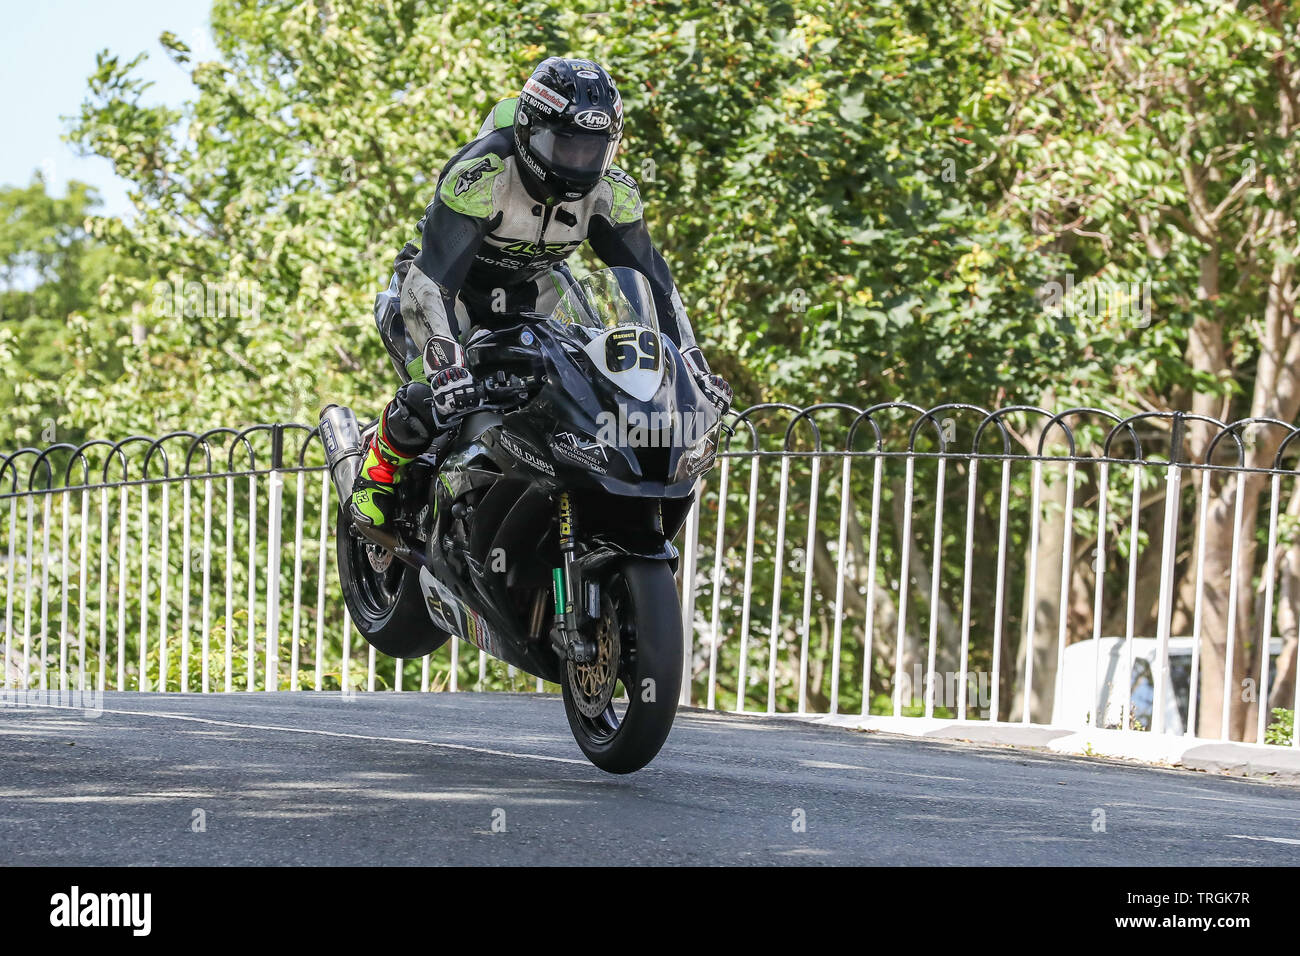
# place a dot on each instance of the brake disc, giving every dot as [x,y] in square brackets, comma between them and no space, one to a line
[592,684]
[379,558]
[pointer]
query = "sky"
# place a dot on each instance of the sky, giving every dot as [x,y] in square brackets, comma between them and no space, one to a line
[47,51]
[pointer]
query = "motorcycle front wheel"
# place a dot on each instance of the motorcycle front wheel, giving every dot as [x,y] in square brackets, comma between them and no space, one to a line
[639,646]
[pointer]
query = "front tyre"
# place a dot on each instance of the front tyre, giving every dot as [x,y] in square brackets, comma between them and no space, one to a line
[639,637]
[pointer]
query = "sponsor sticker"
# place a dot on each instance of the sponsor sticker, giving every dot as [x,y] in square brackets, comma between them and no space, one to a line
[545,97]
[532,164]
[330,439]
[590,455]
[700,464]
[435,354]
[526,455]
[566,517]
[622,178]
[470,176]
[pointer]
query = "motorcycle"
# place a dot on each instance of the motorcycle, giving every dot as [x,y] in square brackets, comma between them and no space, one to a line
[540,529]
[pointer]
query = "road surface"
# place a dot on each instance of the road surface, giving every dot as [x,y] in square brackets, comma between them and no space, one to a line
[407,778]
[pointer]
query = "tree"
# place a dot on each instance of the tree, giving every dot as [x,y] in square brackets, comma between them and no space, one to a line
[1162,137]
[50,268]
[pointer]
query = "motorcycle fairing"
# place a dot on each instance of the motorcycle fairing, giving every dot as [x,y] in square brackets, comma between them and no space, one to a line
[579,405]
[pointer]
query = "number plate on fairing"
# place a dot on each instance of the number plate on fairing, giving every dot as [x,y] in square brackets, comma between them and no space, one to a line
[630,356]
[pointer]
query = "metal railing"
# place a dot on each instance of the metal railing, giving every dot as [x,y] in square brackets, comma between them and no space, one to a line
[1012,565]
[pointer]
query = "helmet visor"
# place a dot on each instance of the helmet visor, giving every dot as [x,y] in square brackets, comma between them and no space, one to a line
[579,157]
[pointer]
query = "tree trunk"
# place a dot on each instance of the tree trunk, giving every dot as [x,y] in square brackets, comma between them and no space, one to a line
[1276,395]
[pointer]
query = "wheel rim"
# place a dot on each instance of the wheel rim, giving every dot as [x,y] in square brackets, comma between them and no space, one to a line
[619,634]
[378,577]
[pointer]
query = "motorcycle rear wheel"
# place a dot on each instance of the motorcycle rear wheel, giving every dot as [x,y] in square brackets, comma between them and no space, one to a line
[647,614]
[384,598]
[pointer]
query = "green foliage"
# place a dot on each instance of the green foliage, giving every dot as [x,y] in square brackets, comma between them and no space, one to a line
[860,204]
[50,269]
[794,160]
[1282,727]
[1140,138]
[44,250]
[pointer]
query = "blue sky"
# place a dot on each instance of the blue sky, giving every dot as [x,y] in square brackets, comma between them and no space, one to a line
[47,50]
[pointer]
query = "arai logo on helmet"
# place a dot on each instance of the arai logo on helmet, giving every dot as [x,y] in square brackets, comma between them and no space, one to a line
[588,75]
[592,119]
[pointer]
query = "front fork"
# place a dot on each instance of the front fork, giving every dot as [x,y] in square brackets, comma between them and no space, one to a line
[567,584]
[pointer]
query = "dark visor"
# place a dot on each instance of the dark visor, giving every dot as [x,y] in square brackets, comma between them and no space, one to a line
[577,156]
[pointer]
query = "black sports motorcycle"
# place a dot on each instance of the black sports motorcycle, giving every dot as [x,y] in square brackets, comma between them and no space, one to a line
[540,529]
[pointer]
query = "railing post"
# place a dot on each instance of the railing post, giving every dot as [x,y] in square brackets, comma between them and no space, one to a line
[711,692]
[1173,482]
[295,630]
[805,624]
[688,595]
[1063,600]
[11,573]
[275,507]
[906,549]
[747,590]
[1031,588]
[1266,629]
[778,578]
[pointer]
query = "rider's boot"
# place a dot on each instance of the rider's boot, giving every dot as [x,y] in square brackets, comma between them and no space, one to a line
[374,490]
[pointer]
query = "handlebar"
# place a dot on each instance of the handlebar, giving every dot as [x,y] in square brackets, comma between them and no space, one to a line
[498,393]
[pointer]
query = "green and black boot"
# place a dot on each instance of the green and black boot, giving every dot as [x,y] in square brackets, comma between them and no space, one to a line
[373,491]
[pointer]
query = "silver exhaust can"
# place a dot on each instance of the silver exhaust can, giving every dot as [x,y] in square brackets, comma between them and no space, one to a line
[340,433]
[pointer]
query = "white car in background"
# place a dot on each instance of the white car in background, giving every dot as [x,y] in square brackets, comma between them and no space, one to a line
[1079,694]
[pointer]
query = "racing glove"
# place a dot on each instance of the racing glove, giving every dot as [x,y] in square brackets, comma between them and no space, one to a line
[450,381]
[715,387]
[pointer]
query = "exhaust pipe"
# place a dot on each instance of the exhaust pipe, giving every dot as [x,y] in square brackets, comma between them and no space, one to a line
[341,435]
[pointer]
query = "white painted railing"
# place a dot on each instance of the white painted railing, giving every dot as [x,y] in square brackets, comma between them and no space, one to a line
[839,560]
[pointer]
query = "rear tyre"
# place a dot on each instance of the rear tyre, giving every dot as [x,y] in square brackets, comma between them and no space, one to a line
[384,597]
[643,621]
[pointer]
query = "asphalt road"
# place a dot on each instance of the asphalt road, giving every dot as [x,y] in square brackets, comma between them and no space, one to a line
[494,778]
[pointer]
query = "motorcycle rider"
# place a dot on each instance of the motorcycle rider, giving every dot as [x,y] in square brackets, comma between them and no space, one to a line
[516,201]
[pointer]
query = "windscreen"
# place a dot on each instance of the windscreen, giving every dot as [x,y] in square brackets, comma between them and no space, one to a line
[611,315]
[606,300]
